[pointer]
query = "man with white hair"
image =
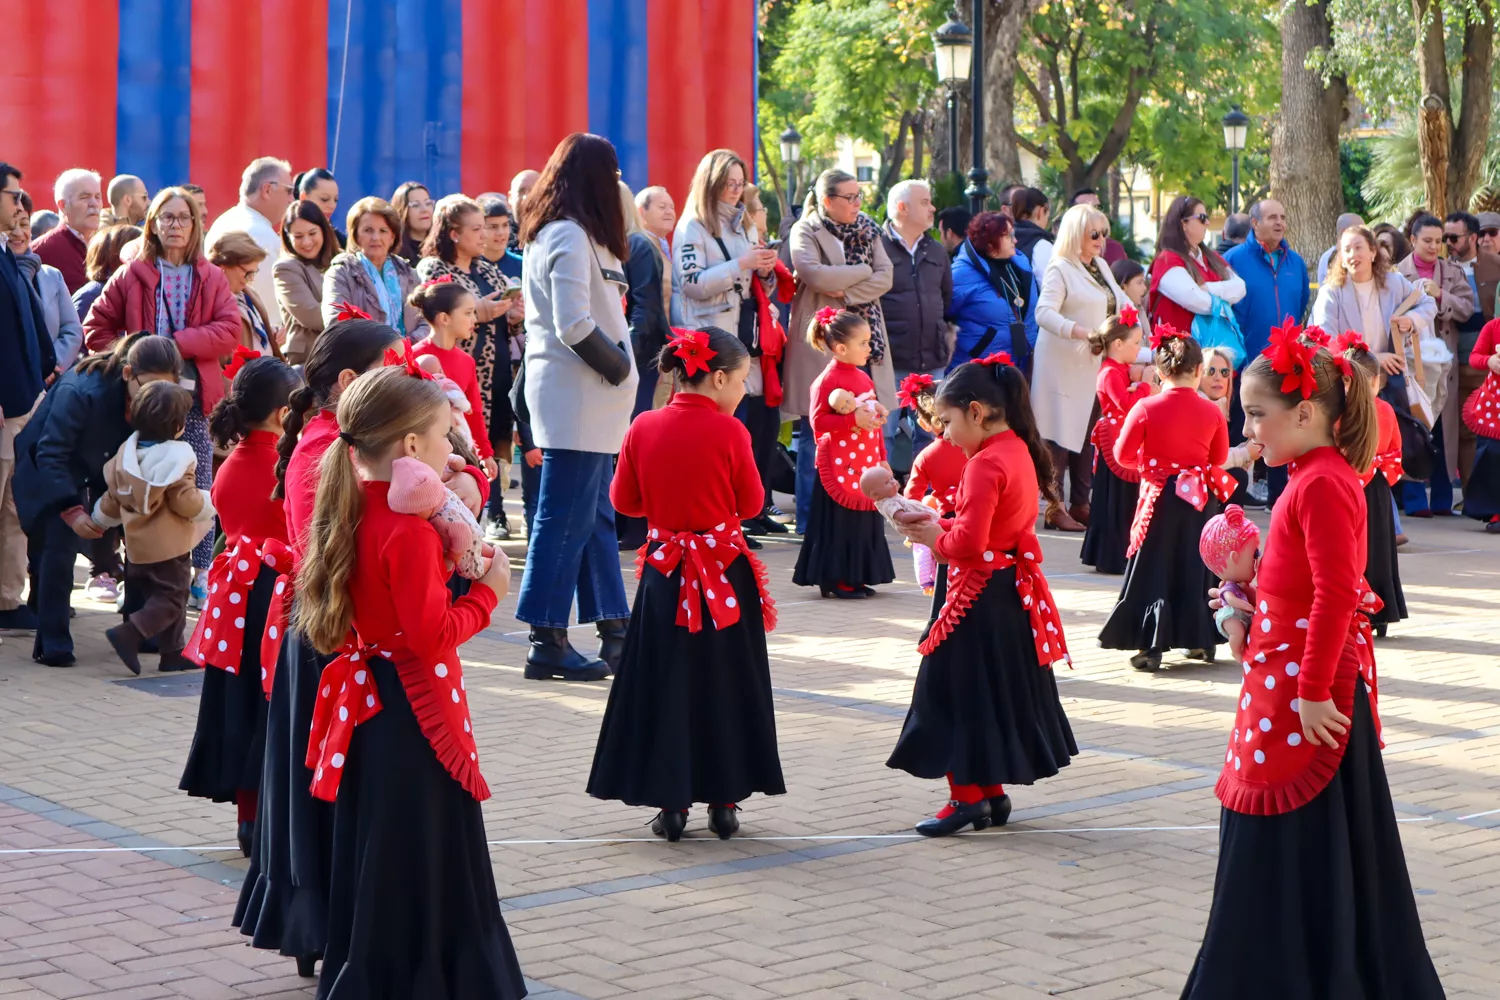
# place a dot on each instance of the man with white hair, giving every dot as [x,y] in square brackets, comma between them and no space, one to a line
[128,201]
[79,200]
[916,307]
[266,191]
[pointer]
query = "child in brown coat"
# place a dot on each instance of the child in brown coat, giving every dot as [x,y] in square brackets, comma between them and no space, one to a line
[153,494]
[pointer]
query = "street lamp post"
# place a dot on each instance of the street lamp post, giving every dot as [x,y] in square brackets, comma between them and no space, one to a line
[1236,124]
[955,47]
[791,153]
[979,189]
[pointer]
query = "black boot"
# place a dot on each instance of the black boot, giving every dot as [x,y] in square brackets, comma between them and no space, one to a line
[670,823]
[962,815]
[723,821]
[552,657]
[126,640]
[1147,660]
[246,836]
[306,966]
[612,642]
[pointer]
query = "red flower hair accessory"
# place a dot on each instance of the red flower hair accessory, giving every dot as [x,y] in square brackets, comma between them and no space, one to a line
[1129,316]
[1317,335]
[998,358]
[692,347]
[1291,359]
[1164,332]
[242,354]
[826,315]
[393,359]
[1350,340]
[347,311]
[1342,364]
[442,279]
[914,385]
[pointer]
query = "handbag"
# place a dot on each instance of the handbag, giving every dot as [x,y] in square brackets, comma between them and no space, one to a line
[1219,330]
[1417,454]
[1418,395]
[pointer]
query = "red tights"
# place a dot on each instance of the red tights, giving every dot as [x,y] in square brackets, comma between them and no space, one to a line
[245,802]
[968,795]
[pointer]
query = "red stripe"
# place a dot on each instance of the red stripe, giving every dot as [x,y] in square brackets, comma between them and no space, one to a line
[226,98]
[729,47]
[557,61]
[495,94]
[58,82]
[676,136]
[294,83]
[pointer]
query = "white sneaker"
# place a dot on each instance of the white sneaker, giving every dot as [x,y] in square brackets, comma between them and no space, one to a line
[102,588]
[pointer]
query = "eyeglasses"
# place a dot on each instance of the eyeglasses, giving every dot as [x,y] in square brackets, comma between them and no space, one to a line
[174,221]
[1201,217]
[853,199]
[1221,372]
[734,185]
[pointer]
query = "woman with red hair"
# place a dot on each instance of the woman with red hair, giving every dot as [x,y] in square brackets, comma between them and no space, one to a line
[994,294]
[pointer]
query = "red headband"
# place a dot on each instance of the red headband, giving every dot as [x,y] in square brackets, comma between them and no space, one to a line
[1129,316]
[393,360]
[998,358]
[1291,360]
[914,385]
[826,315]
[347,311]
[1349,340]
[692,347]
[242,354]
[1164,332]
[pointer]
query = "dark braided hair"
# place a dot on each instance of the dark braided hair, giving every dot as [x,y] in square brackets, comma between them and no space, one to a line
[347,345]
[1001,389]
[261,388]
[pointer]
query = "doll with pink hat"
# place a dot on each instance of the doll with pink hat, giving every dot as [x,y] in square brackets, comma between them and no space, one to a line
[416,489]
[1230,547]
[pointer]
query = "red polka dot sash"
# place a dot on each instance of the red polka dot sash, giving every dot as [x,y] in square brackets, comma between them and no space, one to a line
[280,557]
[704,559]
[1482,408]
[1388,464]
[219,638]
[842,457]
[1104,435]
[966,579]
[1194,484]
[346,697]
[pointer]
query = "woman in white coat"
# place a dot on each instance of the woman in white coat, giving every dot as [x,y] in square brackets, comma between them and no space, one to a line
[1078,294]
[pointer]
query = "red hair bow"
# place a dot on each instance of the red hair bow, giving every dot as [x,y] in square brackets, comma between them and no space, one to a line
[1349,340]
[1342,364]
[826,315]
[347,311]
[1291,360]
[1164,332]
[242,354]
[1129,316]
[441,279]
[998,358]
[393,359]
[692,347]
[1317,335]
[914,385]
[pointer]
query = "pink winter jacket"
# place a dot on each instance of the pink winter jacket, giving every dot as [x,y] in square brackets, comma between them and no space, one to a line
[128,305]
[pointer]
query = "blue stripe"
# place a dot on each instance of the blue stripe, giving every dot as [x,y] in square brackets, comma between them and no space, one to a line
[153,116]
[618,83]
[402,116]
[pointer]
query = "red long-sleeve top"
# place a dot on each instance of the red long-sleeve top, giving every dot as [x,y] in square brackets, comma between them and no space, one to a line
[938,468]
[1175,427]
[1484,347]
[687,467]
[458,364]
[242,491]
[997,501]
[838,375]
[1114,388]
[1389,439]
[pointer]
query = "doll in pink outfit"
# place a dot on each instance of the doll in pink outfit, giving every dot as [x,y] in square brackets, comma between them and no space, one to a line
[1230,547]
[416,489]
[456,399]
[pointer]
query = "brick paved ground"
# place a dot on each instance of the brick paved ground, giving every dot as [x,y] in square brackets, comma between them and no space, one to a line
[1097,890]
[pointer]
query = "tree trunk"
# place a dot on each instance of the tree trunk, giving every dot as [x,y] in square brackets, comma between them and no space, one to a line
[918,141]
[781,194]
[893,158]
[1434,111]
[1002,30]
[1466,162]
[1305,173]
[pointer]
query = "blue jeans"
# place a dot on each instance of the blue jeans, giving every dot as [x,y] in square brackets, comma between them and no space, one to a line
[1414,495]
[531,488]
[807,470]
[1396,513]
[572,546]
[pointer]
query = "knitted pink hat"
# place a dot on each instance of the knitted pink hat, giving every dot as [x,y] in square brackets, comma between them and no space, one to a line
[415,489]
[1224,535]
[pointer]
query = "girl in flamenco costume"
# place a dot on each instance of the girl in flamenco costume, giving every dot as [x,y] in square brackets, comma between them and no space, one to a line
[1116,488]
[1312,898]
[690,717]
[1482,416]
[935,473]
[984,711]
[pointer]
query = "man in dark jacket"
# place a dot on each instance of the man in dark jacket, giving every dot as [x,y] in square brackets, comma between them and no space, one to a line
[916,307]
[26,359]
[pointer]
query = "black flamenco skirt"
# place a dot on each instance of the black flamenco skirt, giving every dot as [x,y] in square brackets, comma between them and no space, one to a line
[1316,904]
[1111,509]
[283,905]
[983,709]
[842,545]
[1482,491]
[1163,601]
[231,736]
[413,910]
[1381,571]
[690,717]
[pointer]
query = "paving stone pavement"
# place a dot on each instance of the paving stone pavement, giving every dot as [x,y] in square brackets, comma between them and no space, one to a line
[1098,889]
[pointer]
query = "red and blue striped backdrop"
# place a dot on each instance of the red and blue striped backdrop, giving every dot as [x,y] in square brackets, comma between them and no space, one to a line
[459,94]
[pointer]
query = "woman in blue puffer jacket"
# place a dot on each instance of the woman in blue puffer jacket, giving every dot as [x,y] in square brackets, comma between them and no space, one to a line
[994,294]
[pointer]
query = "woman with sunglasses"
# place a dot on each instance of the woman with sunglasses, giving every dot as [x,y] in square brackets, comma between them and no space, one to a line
[1187,274]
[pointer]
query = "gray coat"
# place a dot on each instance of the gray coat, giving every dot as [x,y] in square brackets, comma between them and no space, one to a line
[567,295]
[1336,309]
[921,340]
[346,280]
[61,315]
[713,285]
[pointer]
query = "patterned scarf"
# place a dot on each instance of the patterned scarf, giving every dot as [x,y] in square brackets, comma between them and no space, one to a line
[859,238]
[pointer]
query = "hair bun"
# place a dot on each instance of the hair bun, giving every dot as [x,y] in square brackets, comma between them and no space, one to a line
[1234,514]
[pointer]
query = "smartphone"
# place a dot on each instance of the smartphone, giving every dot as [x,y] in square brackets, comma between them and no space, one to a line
[773,245]
[511,294]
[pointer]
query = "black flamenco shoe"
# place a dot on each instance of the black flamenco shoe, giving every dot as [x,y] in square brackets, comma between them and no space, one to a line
[769,524]
[1206,655]
[246,835]
[306,966]
[1380,630]
[868,590]
[977,813]
[1146,661]
[670,823]
[856,594]
[999,810]
[751,542]
[723,821]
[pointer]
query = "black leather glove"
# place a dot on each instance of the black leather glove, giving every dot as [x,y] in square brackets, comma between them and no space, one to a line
[609,359]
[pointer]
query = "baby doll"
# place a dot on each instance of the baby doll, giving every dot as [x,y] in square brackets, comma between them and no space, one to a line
[1230,546]
[880,485]
[456,398]
[843,401]
[416,489]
